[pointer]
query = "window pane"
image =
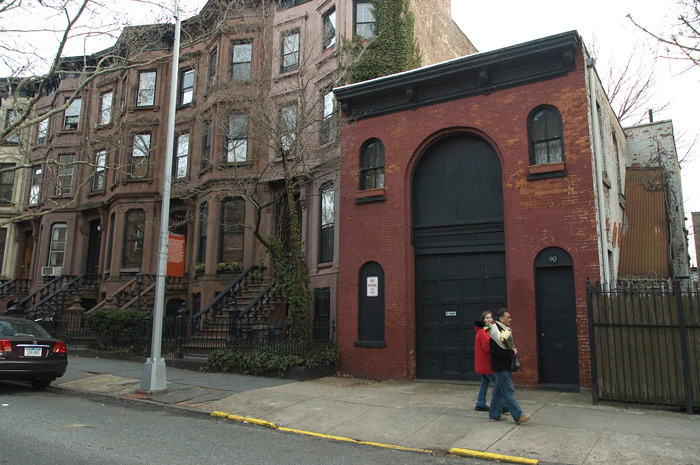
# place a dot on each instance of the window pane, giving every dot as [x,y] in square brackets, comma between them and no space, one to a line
[241,58]
[327,207]
[554,149]
[72,115]
[538,127]
[540,153]
[329,30]
[134,231]
[147,89]
[106,108]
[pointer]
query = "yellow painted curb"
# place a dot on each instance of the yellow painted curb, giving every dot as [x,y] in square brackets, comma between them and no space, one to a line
[241,419]
[488,456]
[268,424]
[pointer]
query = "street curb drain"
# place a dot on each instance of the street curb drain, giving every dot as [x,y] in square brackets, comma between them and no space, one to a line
[457,452]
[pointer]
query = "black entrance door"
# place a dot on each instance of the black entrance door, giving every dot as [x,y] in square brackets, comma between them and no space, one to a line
[93,252]
[460,252]
[556,319]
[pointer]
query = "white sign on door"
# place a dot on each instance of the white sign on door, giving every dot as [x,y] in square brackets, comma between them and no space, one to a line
[372,286]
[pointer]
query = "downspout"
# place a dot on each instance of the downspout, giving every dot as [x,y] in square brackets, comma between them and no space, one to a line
[598,156]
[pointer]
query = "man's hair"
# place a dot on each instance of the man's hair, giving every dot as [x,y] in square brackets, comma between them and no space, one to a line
[501,312]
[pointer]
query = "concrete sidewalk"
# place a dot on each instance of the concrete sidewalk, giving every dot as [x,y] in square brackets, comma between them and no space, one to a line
[564,428]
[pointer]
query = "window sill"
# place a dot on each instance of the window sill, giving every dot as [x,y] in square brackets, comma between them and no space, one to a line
[548,170]
[370,195]
[371,344]
[95,192]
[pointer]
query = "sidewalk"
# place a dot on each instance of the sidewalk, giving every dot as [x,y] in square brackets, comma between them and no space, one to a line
[564,428]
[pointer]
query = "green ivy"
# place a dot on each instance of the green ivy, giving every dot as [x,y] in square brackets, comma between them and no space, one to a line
[391,50]
[271,358]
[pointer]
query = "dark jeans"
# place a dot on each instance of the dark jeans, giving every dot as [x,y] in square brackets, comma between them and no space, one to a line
[504,396]
[486,381]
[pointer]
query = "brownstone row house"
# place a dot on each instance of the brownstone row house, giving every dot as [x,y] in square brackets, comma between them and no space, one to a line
[255,80]
[493,180]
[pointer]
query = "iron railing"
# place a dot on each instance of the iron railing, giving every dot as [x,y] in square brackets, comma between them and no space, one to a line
[178,342]
[645,344]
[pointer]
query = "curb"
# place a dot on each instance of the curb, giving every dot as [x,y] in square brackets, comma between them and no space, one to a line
[457,452]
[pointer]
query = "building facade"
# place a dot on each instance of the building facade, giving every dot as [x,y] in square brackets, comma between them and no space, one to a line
[495,180]
[254,113]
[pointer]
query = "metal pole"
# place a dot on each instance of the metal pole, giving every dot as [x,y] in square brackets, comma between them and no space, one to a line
[154,377]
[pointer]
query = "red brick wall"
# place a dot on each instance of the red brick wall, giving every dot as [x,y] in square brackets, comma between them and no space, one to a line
[543,213]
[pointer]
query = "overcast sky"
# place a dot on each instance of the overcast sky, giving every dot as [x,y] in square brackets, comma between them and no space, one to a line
[606,29]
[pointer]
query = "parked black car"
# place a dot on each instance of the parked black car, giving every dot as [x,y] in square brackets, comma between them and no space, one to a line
[29,353]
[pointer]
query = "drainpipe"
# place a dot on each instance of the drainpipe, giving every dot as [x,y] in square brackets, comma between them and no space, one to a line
[598,156]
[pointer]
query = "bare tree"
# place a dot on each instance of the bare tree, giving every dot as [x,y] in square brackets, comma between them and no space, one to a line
[682,39]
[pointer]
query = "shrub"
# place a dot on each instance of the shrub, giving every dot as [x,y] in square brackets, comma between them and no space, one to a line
[278,358]
[119,330]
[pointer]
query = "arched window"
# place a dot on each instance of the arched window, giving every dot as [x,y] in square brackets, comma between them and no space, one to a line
[232,227]
[370,324]
[372,165]
[545,136]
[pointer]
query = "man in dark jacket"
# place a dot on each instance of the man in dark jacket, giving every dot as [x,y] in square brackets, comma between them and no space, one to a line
[502,352]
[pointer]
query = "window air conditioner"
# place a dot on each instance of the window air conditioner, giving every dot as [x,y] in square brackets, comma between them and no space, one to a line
[47,270]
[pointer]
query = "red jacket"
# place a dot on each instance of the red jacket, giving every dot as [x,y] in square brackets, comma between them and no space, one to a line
[482,363]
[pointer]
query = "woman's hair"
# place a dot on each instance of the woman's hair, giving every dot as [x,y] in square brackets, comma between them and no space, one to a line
[487,312]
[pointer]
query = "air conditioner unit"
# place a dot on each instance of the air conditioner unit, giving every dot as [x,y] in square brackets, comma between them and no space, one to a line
[51,270]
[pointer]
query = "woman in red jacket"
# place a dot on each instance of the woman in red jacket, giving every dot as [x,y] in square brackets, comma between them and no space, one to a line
[482,364]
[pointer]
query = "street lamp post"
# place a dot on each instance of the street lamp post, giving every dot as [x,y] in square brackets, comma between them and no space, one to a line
[154,377]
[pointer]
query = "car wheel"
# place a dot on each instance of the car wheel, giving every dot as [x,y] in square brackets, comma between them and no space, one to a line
[41,384]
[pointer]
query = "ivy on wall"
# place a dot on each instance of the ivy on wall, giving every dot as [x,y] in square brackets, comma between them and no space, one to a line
[391,50]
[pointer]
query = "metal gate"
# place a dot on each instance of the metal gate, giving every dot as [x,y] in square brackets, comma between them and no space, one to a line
[645,344]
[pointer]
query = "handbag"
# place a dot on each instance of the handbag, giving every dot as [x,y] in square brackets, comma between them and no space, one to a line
[515,364]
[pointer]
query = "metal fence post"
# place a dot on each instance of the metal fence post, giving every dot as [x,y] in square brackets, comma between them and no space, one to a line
[684,347]
[591,342]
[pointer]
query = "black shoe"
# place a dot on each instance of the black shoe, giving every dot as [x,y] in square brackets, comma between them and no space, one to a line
[505,410]
[481,409]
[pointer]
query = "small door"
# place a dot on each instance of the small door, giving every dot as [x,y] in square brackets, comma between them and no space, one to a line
[556,319]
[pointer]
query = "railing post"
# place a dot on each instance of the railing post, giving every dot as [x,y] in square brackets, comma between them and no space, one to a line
[180,331]
[591,342]
[684,347]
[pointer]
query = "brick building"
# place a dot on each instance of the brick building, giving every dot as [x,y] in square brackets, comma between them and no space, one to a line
[253,77]
[488,181]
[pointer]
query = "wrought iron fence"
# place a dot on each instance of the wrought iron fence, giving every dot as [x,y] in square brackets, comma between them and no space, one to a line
[645,344]
[185,337]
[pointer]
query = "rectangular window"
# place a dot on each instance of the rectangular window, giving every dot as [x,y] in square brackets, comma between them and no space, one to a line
[186,86]
[3,242]
[206,144]
[232,227]
[203,225]
[180,154]
[59,237]
[125,89]
[9,120]
[290,51]
[98,180]
[134,232]
[241,61]
[106,108]
[7,181]
[329,30]
[322,314]
[237,139]
[35,189]
[327,194]
[71,116]
[110,243]
[42,131]
[212,68]
[140,154]
[364,19]
[288,128]
[327,117]
[146,96]
[66,169]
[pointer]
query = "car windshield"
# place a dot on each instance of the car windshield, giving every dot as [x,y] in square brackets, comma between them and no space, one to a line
[22,328]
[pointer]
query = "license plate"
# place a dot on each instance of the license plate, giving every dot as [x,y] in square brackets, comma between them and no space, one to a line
[32,351]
